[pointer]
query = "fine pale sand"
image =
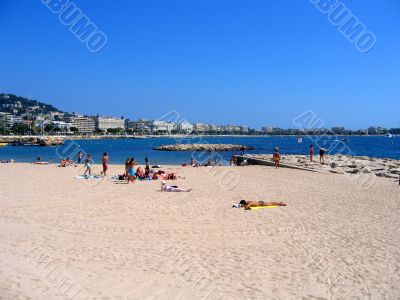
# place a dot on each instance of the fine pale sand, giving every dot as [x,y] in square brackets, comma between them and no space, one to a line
[67,238]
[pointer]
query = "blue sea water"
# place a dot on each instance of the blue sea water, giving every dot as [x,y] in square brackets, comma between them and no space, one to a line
[120,149]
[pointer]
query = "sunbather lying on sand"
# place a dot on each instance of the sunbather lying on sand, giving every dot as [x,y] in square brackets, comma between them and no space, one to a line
[167,188]
[66,162]
[248,204]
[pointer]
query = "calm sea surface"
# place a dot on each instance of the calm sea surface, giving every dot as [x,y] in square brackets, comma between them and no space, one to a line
[120,149]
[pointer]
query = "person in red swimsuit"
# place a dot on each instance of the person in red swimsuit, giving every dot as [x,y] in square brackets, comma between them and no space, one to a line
[105,160]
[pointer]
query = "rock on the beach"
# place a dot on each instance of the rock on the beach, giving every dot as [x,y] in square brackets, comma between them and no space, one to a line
[384,168]
[203,147]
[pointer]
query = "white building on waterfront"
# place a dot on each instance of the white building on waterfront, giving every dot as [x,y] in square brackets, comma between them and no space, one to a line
[105,123]
[83,124]
[185,127]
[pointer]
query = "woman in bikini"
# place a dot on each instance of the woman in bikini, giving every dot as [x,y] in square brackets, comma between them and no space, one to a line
[276,158]
[105,160]
[88,165]
[311,153]
[248,204]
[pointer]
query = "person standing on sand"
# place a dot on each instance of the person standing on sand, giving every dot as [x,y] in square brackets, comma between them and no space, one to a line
[311,153]
[105,161]
[88,165]
[321,155]
[79,157]
[276,157]
[131,170]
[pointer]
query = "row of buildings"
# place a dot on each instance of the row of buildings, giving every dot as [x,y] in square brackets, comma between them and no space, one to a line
[60,122]
[92,124]
[99,124]
[16,111]
[146,126]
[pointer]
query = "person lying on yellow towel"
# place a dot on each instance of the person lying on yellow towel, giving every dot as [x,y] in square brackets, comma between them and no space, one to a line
[249,204]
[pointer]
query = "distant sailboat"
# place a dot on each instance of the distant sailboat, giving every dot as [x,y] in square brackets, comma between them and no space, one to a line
[299,139]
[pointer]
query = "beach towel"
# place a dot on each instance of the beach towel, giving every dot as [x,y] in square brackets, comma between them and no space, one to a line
[262,207]
[88,177]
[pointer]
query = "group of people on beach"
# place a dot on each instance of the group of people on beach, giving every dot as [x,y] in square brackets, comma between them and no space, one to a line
[130,174]
[88,162]
[145,173]
[321,154]
[277,157]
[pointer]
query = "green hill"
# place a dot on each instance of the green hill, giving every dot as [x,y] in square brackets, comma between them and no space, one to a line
[10,103]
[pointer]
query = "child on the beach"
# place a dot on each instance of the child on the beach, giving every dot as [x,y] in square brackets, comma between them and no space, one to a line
[276,157]
[105,161]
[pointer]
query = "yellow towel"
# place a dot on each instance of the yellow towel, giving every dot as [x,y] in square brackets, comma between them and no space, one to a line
[261,207]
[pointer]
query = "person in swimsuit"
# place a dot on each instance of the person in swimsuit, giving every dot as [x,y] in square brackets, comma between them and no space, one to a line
[79,157]
[105,161]
[276,158]
[127,161]
[140,173]
[168,176]
[311,153]
[167,188]
[248,204]
[321,155]
[88,165]
[131,171]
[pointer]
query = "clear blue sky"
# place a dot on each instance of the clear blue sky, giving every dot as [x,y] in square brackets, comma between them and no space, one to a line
[258,62]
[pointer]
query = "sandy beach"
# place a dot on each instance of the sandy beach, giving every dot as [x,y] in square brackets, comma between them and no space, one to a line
[68,238]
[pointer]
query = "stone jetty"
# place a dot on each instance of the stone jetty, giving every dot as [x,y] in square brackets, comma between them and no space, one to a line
[32,140]
[341,164]
[203,147]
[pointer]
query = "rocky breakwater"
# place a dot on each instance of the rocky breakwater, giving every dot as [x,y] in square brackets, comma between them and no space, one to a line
[32,140]
[203,147]
[381,167]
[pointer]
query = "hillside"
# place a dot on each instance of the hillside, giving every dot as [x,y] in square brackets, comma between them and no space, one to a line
[16,105]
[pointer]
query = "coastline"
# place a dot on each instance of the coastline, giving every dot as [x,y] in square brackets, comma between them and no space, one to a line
[10,138]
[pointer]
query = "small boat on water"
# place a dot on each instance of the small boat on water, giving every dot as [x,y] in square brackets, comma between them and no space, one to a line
[389,135]
[3,144]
